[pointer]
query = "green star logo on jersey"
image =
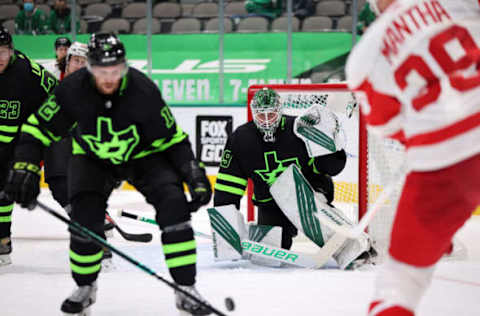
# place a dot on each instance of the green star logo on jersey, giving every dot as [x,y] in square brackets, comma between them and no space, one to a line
[274,167]
[112,145]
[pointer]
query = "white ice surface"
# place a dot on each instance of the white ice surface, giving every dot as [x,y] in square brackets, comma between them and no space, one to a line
[39,278]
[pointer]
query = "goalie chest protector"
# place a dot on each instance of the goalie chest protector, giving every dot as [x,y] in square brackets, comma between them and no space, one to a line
[248,156]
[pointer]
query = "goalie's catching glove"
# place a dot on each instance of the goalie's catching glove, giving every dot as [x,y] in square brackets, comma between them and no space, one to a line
[23,184]
[198,184]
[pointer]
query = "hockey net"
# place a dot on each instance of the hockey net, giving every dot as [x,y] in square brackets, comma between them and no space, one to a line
[371,162]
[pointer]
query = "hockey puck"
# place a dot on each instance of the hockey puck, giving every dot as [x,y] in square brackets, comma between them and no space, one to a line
[229,304]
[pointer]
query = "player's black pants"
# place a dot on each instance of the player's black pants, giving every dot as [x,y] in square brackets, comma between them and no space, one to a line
[90,182]
[271,214]
[56,159]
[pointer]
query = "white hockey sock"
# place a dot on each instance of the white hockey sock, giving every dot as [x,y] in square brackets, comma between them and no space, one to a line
[398,283]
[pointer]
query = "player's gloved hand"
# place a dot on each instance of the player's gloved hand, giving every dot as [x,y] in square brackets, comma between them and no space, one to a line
[198,184]
[23,184]
[323,184]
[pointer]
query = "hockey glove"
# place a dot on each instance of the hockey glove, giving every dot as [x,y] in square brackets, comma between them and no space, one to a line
[23,184]
[198,184]
[323,184]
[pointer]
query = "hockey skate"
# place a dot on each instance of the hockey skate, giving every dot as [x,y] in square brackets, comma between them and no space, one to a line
[78,304]
[188,305]
[5,251]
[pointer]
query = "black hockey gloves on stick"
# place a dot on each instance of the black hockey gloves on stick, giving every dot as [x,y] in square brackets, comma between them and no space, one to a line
[198,184]
[23,184]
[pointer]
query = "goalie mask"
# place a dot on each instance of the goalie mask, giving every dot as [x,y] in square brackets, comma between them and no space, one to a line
[266,112]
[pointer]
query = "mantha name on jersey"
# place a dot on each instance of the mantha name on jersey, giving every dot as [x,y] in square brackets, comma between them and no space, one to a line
[415,74]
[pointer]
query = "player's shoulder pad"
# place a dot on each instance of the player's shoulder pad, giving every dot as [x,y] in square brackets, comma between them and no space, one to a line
[141,82]
[22,61]
[247,128]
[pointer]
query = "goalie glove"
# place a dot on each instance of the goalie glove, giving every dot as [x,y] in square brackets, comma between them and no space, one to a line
[320,130]
[198,184]
[23,184]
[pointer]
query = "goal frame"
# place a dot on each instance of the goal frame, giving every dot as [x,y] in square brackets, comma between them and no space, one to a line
[362,139]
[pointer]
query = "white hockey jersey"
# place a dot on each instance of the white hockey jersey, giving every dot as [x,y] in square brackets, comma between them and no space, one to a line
[416,73]
[52,67]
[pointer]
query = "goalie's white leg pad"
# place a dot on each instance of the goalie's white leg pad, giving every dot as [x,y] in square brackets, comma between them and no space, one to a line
[268,235]
[402,284]
[228,231]
[296,199]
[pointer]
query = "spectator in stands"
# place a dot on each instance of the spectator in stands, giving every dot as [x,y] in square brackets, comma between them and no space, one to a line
[60,19]
[266,8]
[303,8]
[30,20]
[365,18]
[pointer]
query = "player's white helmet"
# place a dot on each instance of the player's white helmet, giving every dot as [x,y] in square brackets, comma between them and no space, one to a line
[77,49]
[374,6]
[267,112]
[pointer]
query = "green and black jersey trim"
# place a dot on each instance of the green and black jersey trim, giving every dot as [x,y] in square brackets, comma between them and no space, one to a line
[33,128]
[8,133]
[162,144]
[231,184]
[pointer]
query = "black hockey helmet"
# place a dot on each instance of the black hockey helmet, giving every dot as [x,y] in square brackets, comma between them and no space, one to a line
[105,49]
[62,41]
[5,38]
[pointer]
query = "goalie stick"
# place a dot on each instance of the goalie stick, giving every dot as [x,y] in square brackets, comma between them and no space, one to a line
[123,213]
[86,233]
[145,237]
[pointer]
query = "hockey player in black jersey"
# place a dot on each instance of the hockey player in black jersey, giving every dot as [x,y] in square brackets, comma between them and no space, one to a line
[58,154]
[122,129]
[24,85]
[261,150]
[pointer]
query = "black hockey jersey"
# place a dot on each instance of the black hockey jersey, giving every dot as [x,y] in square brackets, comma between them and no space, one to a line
[24,86]
[131,123]
[247,156]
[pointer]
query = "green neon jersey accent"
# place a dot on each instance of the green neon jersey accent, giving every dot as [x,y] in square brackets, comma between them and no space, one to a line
[274,167]
[6,139]
[8,129]
[116,146]
[35,132]
[229,189]
[159,145]
[77,149]
[233,179]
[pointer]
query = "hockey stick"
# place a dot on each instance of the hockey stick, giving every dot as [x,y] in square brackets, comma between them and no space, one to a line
[86,233]
[152,221]
[146,237]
